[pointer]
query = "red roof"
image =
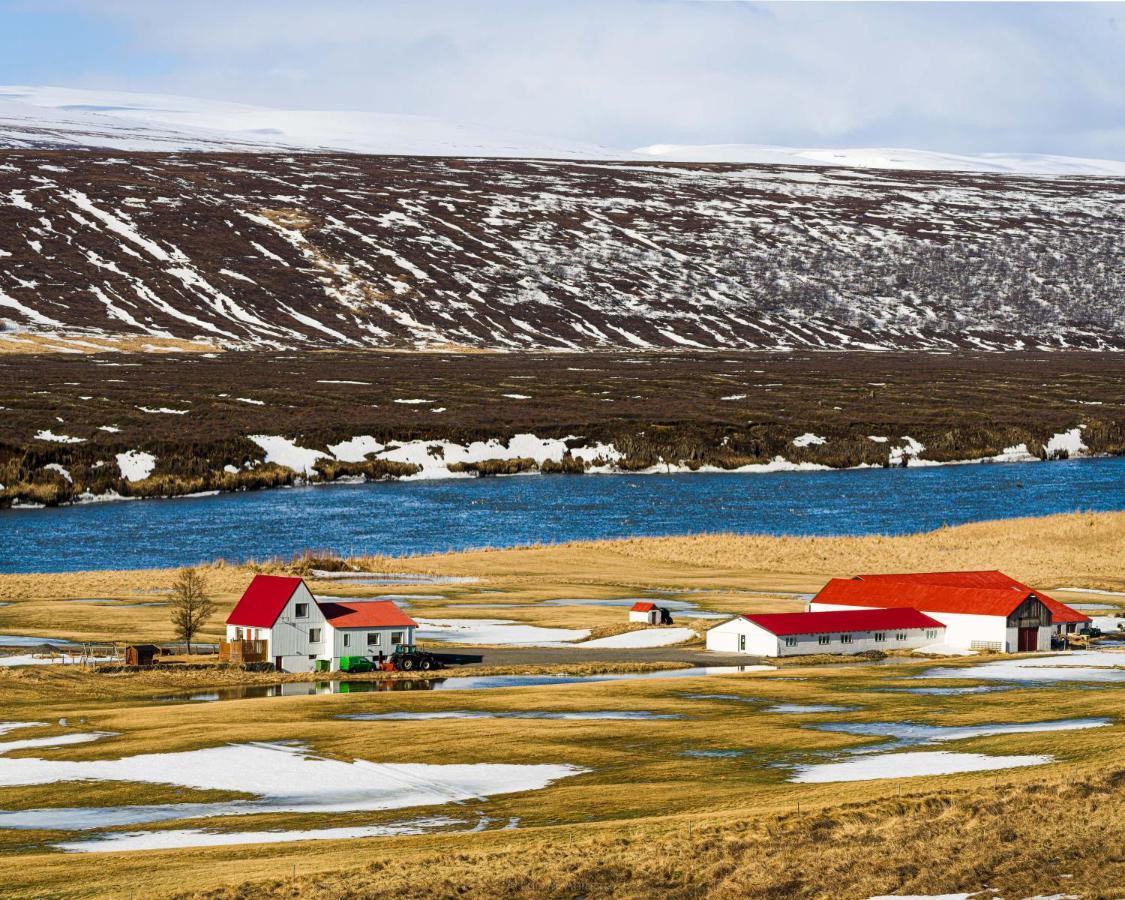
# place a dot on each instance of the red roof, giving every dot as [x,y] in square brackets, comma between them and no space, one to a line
[263,601]
[971,593]
[641,606]
[992,580]
[843,620]
[364,614]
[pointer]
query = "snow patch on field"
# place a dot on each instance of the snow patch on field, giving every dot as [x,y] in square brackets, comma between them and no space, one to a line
[136,465]
[1068,442]
[48,435]
[55,467]
[355,449]
[1078,665]
[907,450]
[283,777]
[495,631]
[284,452]
[646,637]
[808,439]
[877,766]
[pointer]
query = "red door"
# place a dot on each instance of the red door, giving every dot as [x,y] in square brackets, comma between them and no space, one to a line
[1028,639]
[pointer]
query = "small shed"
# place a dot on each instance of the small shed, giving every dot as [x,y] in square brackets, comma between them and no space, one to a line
[649,613]
[141,654]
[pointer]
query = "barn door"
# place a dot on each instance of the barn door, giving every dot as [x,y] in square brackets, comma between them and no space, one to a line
[1028,639]
[742,643]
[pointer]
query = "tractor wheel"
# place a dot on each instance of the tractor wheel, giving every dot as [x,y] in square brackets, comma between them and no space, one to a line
[407,664]
[425,665]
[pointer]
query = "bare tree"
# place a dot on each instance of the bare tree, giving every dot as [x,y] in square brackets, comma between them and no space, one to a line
[191,607]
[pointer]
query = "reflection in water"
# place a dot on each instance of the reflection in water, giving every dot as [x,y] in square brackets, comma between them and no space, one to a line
[456,683]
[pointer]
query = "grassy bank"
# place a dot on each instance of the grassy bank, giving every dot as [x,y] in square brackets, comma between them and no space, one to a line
[193,413]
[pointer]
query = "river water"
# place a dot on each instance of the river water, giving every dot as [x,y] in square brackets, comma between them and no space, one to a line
[422,517]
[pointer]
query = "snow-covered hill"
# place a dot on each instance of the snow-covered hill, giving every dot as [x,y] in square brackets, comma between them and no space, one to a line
[63,117]
[283,250]
[32,116]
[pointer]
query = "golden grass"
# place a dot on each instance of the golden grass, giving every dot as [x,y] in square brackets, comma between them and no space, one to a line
[77,342]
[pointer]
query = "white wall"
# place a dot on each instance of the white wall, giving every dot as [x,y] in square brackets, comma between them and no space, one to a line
[760,642]
[960,629]
[358,647]
[724,638]
[290,635]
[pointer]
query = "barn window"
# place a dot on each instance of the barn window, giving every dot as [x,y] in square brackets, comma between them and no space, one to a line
[396,637]
[931,633]
[790,642]
[374,638]
[880,636]
[845,639]
[301,610]
[347,639]
[824,639]
[314,635]
[238,634]
[901,636]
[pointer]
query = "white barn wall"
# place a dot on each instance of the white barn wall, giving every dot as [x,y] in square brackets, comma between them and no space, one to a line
[961,629]
[760,642]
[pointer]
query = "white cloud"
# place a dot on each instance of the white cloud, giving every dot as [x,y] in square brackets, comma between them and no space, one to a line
[959,77]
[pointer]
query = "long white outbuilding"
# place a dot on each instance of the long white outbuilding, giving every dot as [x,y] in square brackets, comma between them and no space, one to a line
[802,633]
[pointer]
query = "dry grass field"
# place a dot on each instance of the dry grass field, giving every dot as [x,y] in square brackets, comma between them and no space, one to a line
[700,805]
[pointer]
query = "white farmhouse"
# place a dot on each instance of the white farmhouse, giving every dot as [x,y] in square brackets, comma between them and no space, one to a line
[795,634]
[980,610]
[278,620]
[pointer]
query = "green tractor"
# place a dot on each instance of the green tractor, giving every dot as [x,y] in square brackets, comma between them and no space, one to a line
[408,657]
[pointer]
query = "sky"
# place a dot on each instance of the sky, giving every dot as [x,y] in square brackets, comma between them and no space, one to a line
[959,77]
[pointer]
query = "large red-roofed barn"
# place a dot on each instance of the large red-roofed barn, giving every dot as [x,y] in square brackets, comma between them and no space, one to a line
[292,629]
[801,633]
[980,610]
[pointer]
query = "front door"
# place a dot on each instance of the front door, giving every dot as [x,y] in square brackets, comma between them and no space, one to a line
[742,643]
[1028,639]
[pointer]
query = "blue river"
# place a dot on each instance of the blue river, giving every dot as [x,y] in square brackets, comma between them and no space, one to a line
[420,517]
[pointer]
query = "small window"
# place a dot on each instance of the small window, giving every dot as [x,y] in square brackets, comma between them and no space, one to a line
[845,639]
[238,634]
[790,642]
[314,635]
[301,610]
[930,634]
[347,639]
[901,636]
[374,639]
[824,639]
[396,637]
[880,636]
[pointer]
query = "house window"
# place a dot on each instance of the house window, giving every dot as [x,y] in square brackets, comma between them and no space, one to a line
[790,642]
[301,610]
[845,639]
[901,636]
[931,634]
[824,639]
[347,639]
[396,638]
[314,635]
[374,639]
[880,636]
[238,634]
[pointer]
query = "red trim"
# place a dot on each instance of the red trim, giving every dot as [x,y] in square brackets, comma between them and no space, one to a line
[843,620]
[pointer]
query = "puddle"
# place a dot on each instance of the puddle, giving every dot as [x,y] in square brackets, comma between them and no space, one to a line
[878,766]
[1093,606]
[390,578]
[1078,665]
[944,691]
[711,754]
[22,640]
[530,714]
[457,683]
[284,777]
[809,708]
[913,734]
[495,631]
[737,698]
[117,842]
